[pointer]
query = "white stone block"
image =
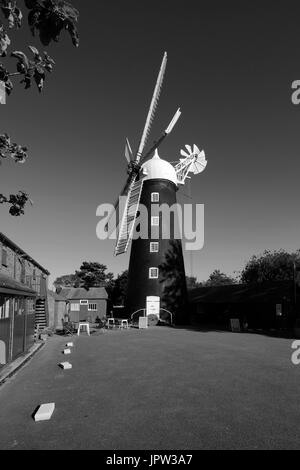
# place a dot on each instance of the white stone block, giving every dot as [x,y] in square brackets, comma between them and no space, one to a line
[67,351]
[65,365]
[69,345]
[44,412]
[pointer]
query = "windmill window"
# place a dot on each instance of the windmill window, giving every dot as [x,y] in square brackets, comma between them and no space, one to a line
[153,273]
[154,247]
[155,221]
[154,197]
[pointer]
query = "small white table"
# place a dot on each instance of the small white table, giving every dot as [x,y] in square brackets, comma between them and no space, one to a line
[83,325]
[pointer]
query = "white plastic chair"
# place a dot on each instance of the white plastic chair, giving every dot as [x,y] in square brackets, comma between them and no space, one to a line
[111,322]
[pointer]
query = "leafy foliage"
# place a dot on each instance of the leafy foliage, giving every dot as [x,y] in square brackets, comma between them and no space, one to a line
[9,149]
[4,42]
[93,274]
[217,278]
[14,16]
[270,266]
[192,283]
[17,202]
[68,280]
[11,13]
[33,69]
[5,79]
[117,291]
[18,153]
[47,17]
[50,18]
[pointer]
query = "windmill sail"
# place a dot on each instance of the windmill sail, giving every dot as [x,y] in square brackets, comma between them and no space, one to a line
[124,192]
[132,189]
[163,136]
[128,152]
[153,107]
[129,217]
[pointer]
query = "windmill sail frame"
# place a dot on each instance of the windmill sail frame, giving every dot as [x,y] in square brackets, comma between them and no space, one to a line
[152,109]
[129,217]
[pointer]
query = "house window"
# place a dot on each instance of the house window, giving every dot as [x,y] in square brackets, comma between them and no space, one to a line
[4,257]
[155,221]
[4,310]
[34,275]
[75,308]
[92,307]
[154,197]
[153,273]
[84,302]
[154,247]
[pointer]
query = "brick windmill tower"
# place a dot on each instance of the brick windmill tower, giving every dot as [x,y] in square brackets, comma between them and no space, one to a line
[156,277]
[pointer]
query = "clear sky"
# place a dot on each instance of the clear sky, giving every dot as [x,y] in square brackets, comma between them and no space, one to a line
[230,69]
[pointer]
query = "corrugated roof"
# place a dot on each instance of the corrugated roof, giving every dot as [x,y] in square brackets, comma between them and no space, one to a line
[79,293]
[10,286]
[272,292]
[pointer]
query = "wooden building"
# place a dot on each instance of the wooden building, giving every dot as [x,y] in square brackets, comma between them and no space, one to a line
[23,299]
[268,305]
[80,304]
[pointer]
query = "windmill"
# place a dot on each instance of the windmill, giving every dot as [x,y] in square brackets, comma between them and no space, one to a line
[153,181]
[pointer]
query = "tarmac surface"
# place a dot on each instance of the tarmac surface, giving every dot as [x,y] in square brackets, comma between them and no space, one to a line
[161,389]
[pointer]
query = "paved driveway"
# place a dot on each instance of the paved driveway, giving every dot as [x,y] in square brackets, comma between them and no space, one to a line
[157,389]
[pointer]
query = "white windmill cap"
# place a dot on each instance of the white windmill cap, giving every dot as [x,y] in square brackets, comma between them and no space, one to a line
[156,168]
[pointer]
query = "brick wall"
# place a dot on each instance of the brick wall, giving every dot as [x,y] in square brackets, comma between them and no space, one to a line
[16,265]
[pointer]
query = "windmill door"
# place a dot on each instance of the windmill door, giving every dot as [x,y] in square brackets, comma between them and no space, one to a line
[153,305]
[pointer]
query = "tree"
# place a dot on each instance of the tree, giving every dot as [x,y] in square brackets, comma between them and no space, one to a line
[192,283]
[49,18]
[118,292]
[270,266]
[68,280]
[217,278]
[93,274]
[90,274]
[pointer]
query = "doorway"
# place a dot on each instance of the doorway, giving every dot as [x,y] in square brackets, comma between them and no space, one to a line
[153,306]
